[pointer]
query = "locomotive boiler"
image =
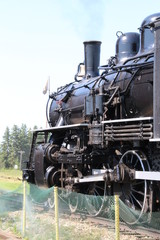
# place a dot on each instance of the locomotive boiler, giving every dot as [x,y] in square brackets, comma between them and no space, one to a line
[104,127]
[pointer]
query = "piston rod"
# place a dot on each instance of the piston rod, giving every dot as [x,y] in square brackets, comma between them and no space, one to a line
[109,175]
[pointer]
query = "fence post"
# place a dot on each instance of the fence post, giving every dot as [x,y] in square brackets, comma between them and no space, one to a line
[56,212]
[24,208]
[117,236]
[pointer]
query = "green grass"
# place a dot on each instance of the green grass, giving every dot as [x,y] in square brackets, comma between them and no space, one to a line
[9,185]
[10,173]
[10,179]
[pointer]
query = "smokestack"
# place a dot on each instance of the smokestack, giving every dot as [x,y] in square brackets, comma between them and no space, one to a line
[156,83]
[92,58]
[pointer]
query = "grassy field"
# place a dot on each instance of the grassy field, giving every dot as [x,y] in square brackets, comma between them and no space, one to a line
[10,179]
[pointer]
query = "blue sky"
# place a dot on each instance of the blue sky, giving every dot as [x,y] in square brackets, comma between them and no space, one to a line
[41,38]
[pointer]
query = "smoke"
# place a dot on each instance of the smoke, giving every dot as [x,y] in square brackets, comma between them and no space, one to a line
[85,17]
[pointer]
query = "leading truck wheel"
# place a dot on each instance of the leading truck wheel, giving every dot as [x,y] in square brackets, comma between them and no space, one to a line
[137,194]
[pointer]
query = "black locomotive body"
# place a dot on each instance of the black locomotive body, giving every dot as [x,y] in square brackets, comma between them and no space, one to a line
[105,126]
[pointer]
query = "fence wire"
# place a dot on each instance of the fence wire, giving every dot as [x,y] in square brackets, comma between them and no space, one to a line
[75,211]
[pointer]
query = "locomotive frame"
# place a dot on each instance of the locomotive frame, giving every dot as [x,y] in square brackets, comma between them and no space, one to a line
[104,134]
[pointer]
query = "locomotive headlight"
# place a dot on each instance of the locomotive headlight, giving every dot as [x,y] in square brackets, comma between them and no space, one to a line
[25,175]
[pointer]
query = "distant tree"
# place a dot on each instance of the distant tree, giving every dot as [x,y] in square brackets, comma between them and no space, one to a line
[13,158]
[14,141]
[25,141]
[5,149]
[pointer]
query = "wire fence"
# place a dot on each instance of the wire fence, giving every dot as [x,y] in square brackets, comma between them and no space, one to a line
[37,213]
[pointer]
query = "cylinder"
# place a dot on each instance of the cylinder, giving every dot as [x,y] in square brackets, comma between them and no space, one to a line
[92,58]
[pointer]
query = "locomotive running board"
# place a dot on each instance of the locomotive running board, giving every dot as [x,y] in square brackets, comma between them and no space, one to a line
[62,127]
[128,120]
[146,175]
[138,175]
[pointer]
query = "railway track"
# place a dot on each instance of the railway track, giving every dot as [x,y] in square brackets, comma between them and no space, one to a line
[7,236]
[140,233]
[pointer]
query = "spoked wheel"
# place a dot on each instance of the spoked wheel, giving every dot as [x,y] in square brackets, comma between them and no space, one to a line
[136,195]
[95,198]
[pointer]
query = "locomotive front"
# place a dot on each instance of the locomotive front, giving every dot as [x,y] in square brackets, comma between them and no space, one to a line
[104,128]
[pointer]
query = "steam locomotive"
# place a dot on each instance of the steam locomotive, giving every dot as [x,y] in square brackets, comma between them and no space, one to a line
[104,134]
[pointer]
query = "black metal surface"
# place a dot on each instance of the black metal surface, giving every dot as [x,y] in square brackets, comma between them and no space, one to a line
[147,35]
[92,58]
[93,105]
[39,166]
[70,158]
[127,46]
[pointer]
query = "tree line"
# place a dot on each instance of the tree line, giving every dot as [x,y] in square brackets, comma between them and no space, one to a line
[15,141]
